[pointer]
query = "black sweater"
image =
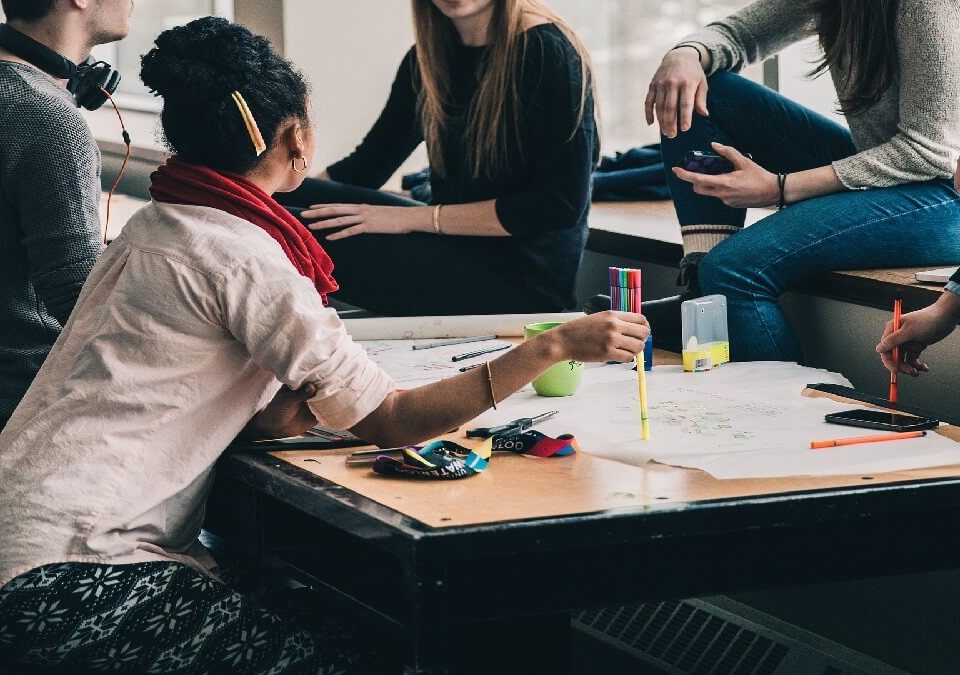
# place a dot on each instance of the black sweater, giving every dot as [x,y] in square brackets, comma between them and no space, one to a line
[544,196]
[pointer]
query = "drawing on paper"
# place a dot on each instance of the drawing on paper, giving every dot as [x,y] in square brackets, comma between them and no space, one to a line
[696,419]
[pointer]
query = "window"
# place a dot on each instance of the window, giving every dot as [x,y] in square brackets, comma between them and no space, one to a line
[150,18]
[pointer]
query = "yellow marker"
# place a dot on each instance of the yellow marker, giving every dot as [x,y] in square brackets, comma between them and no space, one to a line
[642,389]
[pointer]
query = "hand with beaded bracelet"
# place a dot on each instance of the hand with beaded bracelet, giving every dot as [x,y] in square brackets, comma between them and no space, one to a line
[431,410]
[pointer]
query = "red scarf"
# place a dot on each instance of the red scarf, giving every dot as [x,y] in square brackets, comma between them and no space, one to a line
[177,182]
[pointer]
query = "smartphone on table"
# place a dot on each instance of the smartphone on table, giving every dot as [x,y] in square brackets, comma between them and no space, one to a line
[881,419]
[704,161]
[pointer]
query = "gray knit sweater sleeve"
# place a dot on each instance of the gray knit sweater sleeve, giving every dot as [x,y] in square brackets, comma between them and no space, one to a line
[49,221]
[753,33]
[913,133]
[51,174]
[921,139]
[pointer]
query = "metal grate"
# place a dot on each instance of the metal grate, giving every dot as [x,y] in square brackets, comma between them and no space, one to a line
[700,638]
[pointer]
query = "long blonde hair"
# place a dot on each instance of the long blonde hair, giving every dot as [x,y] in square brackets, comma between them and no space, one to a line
[493,119]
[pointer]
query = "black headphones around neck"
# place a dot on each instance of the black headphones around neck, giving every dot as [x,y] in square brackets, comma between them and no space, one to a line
[84,80]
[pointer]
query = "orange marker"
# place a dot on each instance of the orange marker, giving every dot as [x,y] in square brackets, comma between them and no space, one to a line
[820,445]
[897,311]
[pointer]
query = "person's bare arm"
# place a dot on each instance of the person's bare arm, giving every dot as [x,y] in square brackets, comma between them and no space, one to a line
[426,412]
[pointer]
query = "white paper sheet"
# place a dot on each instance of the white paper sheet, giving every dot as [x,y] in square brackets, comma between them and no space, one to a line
[743,420]
[412,368]
[413,327]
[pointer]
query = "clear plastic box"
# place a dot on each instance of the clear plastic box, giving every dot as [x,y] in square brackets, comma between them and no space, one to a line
[706,343]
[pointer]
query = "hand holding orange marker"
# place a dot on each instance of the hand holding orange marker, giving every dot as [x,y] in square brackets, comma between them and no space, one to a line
[897,311]
[820,445]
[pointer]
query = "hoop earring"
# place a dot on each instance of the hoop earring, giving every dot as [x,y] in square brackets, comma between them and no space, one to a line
[293,164]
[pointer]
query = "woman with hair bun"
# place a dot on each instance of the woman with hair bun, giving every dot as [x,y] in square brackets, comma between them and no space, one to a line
[203,321]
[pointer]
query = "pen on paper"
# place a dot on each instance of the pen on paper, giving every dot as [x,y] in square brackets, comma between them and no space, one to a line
[454,341]
[819,445]
[516,426]
[370,456]
[470,355]
[466,368]
[642,394]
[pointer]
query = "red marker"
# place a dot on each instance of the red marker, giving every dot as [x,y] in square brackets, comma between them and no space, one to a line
[897,311]
[819,445]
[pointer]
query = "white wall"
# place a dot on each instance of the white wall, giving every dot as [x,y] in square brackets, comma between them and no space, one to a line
[817,94]
[350,52]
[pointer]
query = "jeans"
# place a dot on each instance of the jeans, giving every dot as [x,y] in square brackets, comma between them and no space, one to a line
[915,224]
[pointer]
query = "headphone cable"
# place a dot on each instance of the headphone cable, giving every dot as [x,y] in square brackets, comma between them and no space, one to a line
[123,165]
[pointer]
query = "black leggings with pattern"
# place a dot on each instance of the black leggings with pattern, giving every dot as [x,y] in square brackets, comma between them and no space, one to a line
[158,617]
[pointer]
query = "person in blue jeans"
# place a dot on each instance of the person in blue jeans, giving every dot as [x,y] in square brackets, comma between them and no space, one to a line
[876,195]
[921,328]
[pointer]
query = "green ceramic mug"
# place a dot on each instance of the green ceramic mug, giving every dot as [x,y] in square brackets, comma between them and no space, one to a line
[560,379]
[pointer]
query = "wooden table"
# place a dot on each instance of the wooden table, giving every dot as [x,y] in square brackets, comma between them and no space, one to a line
[480,575]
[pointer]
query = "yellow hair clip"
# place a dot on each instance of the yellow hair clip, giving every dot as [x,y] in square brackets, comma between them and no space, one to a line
[251,123]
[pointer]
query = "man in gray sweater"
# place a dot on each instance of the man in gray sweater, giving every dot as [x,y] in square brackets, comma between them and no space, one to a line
[50,233]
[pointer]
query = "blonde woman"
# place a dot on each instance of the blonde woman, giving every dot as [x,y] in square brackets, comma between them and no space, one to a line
[499,90]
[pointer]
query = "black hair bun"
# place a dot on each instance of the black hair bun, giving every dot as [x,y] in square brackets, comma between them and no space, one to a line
[196,67]
[206,59]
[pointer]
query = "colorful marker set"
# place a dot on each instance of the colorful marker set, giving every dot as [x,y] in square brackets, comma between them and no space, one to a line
[624,289]
[625,297]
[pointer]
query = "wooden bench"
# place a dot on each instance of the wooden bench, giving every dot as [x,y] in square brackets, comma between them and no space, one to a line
[648,232]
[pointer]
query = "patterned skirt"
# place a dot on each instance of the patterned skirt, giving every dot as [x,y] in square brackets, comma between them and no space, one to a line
[157,617]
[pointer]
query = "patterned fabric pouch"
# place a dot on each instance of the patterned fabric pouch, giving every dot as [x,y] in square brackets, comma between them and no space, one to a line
[449,460]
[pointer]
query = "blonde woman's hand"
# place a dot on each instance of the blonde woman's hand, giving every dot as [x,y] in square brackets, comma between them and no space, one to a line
[748,185]
[677,89]
[601,337]
[368,219]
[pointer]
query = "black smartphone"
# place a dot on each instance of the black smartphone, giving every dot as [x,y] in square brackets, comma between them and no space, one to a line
[703,161]
[881,419]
